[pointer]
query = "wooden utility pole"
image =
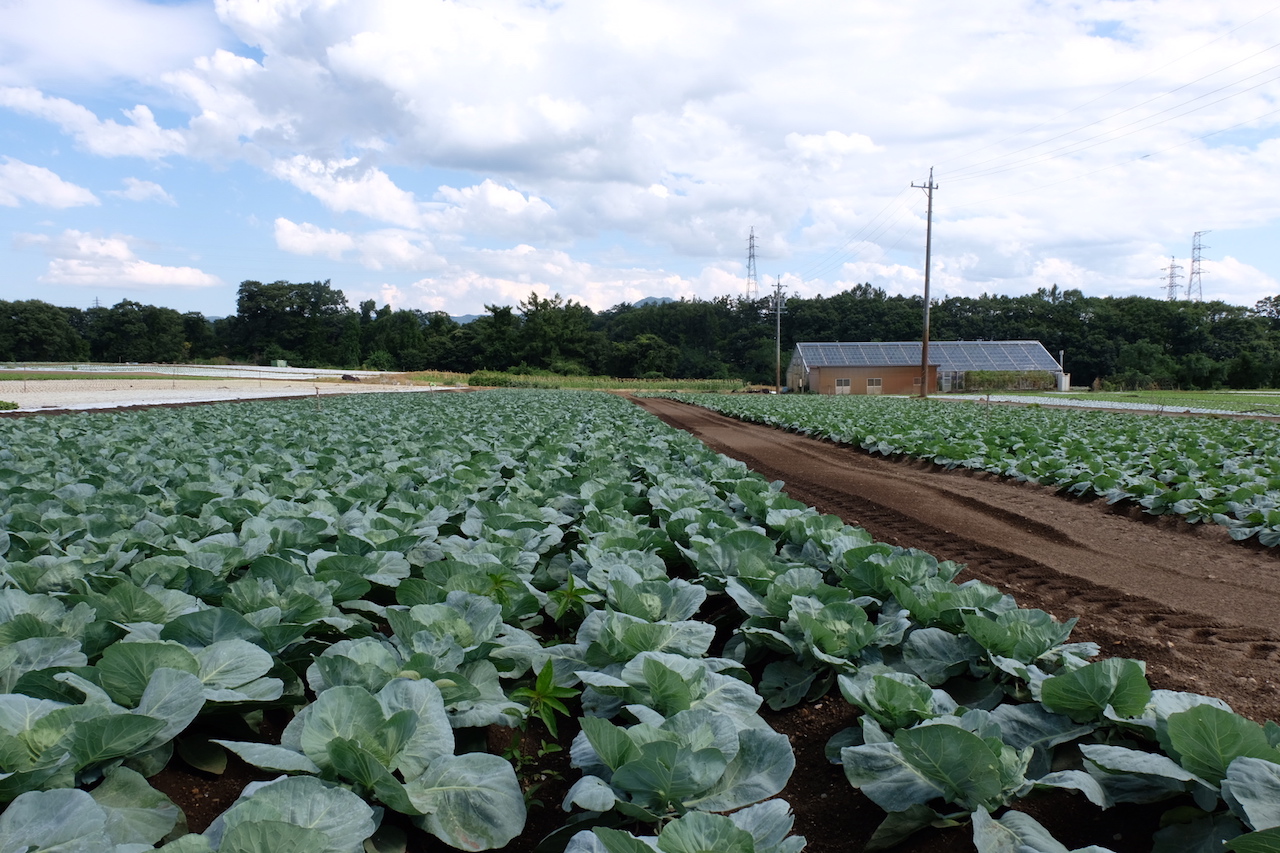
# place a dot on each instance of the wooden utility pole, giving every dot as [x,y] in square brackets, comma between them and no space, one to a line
[928,246]
[777,337]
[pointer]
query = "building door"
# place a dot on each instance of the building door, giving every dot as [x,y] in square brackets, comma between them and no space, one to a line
[842,386]
[873,386]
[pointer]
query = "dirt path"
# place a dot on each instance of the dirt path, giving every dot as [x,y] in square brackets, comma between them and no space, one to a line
[1201,610]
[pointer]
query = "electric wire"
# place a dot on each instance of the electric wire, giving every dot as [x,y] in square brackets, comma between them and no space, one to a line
[866,234]
[1119,88]
[839,257]
[831,258]
[864,244]
[1111,135]
[950,207]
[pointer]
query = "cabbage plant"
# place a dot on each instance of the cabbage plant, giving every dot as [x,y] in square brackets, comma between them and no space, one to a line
[663,767]
[122,815]
[762,828]
[397,746]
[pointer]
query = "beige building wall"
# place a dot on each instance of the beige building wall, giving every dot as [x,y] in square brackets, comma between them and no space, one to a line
[795,375]
[892,380]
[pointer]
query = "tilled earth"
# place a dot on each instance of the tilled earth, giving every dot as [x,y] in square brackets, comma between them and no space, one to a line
[1202,610]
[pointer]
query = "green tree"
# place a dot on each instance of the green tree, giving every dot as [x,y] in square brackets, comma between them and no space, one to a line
[1144,364]
[397,333]
[556,335]
[133,332]
[305,321]
[200,336]
[495,339]
[645,355]
[1268,307]
[440,344]
[32,330]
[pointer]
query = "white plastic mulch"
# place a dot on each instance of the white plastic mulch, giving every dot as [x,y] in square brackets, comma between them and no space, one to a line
[1048,400]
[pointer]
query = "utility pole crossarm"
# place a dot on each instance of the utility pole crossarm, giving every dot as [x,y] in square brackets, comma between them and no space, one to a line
[928,247]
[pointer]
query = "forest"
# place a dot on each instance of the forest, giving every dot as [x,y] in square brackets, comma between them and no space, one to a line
[1123,342]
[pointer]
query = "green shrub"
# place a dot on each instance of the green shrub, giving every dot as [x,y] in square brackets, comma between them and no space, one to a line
[1009,380]
[544,379]
[380,360]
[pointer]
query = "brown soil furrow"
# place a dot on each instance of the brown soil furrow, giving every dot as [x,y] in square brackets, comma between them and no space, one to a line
[1200,609]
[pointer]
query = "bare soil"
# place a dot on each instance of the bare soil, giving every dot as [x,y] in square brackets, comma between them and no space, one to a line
[1202,610]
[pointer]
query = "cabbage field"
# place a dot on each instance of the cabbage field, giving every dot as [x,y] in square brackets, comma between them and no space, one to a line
[1204,469]
[396,576]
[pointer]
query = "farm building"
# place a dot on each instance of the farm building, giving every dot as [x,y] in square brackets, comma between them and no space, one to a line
[894,367]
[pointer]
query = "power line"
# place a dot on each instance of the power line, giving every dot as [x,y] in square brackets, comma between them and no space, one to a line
[834,263]
[1117,89]
[1115,165]
[1111,136]
[836,256]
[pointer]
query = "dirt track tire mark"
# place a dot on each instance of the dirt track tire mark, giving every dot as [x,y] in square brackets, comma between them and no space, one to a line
[1153,599]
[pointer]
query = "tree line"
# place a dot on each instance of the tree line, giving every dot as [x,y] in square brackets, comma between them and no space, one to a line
[1122,341]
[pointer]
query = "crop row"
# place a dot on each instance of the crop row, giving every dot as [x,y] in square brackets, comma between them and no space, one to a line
[1202,468]
[393,575]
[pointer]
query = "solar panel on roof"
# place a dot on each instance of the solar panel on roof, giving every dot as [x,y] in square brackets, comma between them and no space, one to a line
[955,356]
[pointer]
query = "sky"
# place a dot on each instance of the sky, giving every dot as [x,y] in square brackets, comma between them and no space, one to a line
[446,155]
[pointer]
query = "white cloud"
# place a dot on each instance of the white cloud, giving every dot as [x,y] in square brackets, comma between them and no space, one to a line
[388,248]
[507,276]
[79,258]
[1068,275]
[21,181]
[644,141]
[142,137]
[348,186]
[1236,282]
[87,43]
[491,208]
[396,249]
[829,148]
[308,239]
[136,189]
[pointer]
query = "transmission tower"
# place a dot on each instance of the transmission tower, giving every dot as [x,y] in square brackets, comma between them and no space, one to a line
[753,286]
[1171,280]
[1194,291]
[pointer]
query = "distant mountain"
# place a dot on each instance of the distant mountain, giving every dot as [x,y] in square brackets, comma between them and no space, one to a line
[653,300]
[463,319]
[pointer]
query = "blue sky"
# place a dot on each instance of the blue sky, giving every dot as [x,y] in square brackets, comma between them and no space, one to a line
[449,154]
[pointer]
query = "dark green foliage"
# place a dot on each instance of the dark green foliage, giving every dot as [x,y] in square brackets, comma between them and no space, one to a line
[132,332]
[1001,380]
[1128,342]
[32,330]
[304,321]
[543,698]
